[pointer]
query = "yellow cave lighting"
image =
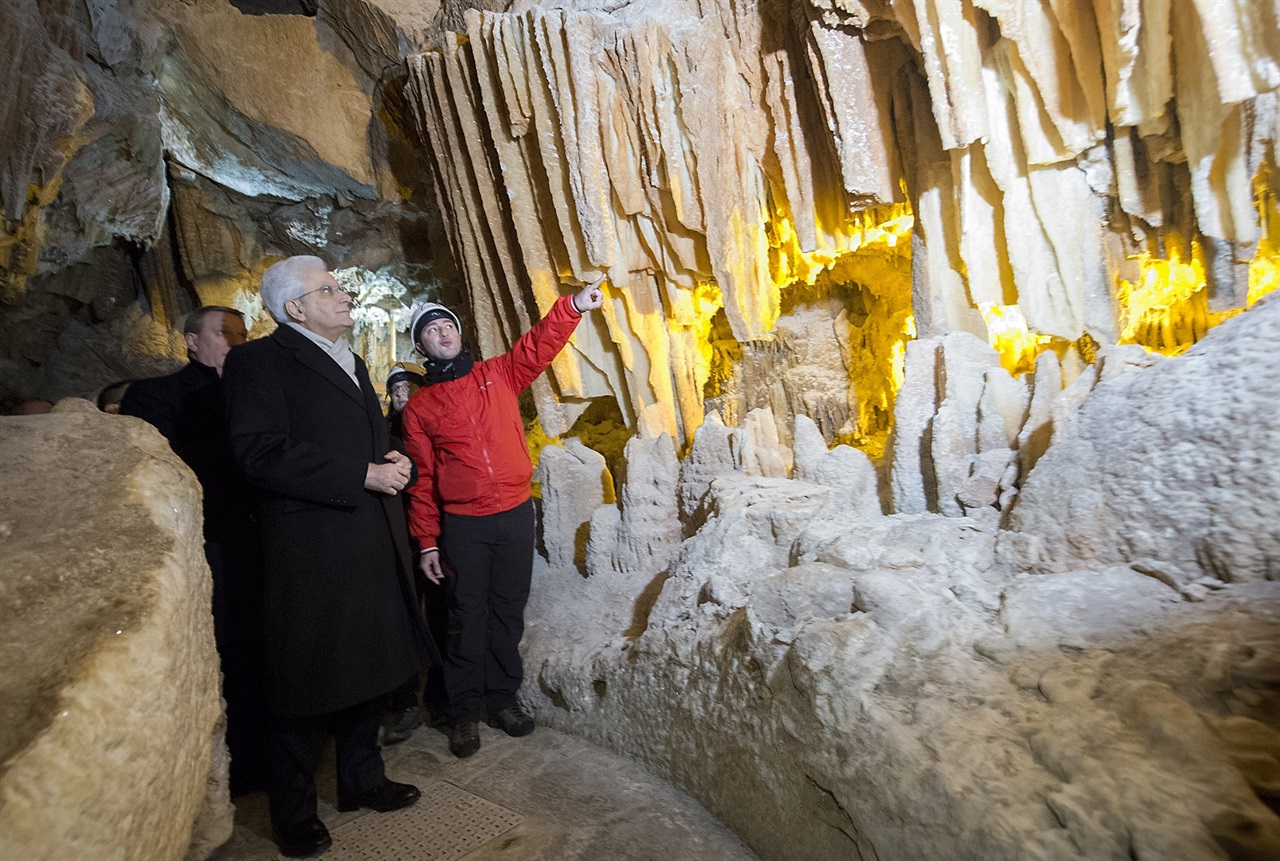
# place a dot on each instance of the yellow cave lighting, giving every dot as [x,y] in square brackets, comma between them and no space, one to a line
[865,261]
[1011,337]
[898,358]
[1264,271]
[1167,309]
[537,439]
[884,226]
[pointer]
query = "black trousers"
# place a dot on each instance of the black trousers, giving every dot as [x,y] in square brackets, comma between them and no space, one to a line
[295,748]
[243,686]
[237,630]
[492,561]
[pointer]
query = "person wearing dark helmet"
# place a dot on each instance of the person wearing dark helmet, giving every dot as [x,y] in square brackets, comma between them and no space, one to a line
[403,713]
[405,379]
[472,505]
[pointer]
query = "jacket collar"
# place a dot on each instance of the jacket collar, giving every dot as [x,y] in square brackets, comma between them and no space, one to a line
[309,353]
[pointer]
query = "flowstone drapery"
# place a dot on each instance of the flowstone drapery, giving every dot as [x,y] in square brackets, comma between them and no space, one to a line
[712,157]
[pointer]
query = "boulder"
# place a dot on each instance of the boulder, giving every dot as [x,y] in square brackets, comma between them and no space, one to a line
[112,730]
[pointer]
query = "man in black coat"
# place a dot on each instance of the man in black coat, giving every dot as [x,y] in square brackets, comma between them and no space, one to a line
[340,615]
[187,407]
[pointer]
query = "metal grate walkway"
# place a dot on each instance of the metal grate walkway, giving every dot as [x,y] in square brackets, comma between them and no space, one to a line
[445,824]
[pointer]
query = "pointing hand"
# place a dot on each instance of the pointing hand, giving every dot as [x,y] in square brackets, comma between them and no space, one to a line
[590,297]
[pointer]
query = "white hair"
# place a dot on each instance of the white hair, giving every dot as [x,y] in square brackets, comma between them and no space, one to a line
[283,281]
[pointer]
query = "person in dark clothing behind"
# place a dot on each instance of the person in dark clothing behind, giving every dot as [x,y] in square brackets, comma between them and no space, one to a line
[465,434]
[403,712]
[187,407]
[340,613]
[404,380]
[111,395]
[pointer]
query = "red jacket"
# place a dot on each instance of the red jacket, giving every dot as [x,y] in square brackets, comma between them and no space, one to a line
[467,436]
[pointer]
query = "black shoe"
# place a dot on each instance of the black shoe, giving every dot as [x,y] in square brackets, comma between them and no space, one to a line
[464,739]
[437,714]
[383,798]
[308,839]
[400,724]
[513,721]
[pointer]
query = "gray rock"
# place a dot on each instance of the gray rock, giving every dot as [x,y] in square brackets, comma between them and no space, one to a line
[574,481]
[914,484]
[1178,461]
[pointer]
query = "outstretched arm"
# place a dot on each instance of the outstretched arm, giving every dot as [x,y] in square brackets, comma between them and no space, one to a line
[535,349]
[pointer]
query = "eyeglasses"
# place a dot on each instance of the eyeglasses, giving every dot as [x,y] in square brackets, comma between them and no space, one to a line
[329,290]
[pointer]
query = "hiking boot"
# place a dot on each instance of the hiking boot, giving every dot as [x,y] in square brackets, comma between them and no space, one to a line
[464,739]
[513,721]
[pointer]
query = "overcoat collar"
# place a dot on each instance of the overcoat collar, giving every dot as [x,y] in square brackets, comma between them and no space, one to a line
[309,353]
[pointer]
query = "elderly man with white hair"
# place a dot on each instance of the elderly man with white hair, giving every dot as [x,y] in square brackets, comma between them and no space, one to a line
[340,614]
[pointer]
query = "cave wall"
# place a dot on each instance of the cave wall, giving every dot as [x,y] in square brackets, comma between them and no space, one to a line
[714,157]
[1014,170]
[1099,681]
[872,265]
[164,154]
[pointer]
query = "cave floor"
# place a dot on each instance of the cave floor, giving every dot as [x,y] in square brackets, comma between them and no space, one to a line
[545,797]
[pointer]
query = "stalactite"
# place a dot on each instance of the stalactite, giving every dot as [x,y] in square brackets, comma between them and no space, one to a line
[735,146]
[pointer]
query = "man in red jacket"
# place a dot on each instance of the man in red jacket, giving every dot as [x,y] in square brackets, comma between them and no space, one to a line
[472,505]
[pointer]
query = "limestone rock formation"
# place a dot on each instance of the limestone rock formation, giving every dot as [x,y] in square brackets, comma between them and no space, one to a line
[574,482]
[920,257]
[761,147]
[811,183]
[164,154]
[1178,462]
[835,683]
[111,736]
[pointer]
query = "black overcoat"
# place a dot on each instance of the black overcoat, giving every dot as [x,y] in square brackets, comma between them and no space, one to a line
[188,408]
[340,614]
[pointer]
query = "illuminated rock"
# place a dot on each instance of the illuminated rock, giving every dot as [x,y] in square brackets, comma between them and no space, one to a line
[1002,409]
[639,541]
[782,196]
[1111,362]
[804,653]
[763,451]
[1037,429]
[1176,461]
[844,469]
[112,737]
[963,363]
[1002,140]
[830,684]
[220,119]
[574,482]
[915,488]
[716,451]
